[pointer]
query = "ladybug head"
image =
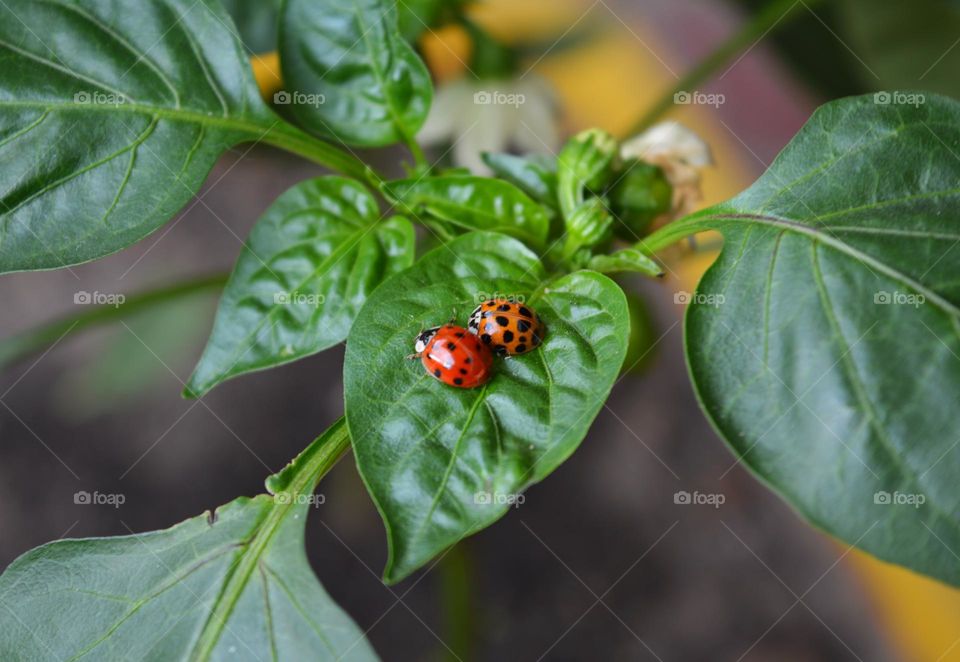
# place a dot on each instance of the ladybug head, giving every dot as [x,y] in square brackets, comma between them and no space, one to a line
[422,340]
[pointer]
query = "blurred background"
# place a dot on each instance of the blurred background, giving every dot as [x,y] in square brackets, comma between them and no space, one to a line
[599,562]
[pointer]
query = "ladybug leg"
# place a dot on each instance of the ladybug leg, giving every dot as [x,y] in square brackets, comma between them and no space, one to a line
[410,357]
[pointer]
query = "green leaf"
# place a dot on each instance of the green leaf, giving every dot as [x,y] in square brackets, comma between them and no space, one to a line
[256,22]
[628,259]
[111,120]
[303,275]
[375,90]
[474,203]
[236,585]
[537,177]
[824,341]
[429,452]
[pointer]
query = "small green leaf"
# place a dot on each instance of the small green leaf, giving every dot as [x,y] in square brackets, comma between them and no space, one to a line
[628,259]
[537,177]
[303,275]
[366,84]
[474,203]
[236,585]
[824,341]
[430,454]
[110,124]
[256,22]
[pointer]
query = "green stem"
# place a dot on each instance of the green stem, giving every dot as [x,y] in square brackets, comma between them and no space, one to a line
[673,232]
[456,603]
[300,477]
[27,342]
[775,15]
[292,139]
[419,158]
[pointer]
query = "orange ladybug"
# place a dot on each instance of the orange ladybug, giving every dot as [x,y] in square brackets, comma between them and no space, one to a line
[508,327]
[455,356]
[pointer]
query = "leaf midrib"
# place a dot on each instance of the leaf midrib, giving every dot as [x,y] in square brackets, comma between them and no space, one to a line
[829,240]
[174,114]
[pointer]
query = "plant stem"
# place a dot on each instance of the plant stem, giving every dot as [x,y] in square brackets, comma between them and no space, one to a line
[32,340]
[289,138]
[776,14]
[299,477]
[456,603]
[673,232]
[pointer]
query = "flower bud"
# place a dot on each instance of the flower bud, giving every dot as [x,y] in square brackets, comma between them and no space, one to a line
[640,194]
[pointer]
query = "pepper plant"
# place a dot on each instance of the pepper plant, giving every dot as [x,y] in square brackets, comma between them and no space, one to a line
[799,349]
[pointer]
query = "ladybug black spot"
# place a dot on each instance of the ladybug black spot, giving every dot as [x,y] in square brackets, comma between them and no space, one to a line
[520,349]
[485,338]
[463,371]
[459,334]
[458,381]
[526,312]
[451,346]
[469,360]
[436,372]
[523,326]
[504,307]
[522,339]
[502,321]
[508,336]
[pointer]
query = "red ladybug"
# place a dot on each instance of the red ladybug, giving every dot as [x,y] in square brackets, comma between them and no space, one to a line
[454,356]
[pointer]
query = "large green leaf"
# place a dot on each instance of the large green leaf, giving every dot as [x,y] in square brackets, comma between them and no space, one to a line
[474,203]
[824,342]
[430,453]
[235,585]
[111,118]
[307,268]
[370,86]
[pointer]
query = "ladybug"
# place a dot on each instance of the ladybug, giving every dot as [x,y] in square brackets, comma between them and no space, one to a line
[508,327]
[454,356]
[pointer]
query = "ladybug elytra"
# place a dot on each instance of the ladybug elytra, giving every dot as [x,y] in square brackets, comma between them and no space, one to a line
[453,355]
[508,327]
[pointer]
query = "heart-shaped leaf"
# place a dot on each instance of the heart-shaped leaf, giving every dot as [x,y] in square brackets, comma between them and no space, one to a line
[474,203]
[236,586]
[111,119]
[441,462]
[307,268]
[824,343]
[361,82]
